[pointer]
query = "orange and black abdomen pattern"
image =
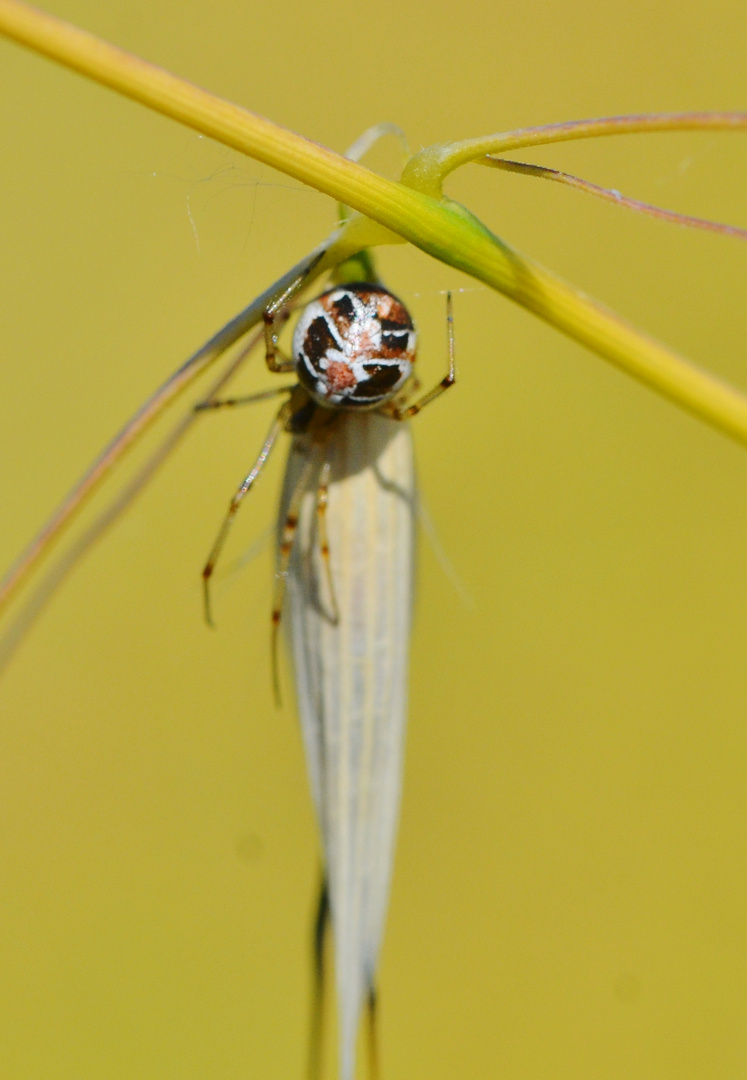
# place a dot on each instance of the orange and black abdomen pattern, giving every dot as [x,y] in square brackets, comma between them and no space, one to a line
[354,346]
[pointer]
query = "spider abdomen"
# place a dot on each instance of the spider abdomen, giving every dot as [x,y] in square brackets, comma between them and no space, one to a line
[354,346]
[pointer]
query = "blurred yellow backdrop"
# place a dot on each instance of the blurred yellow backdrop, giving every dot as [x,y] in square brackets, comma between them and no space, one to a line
[570,895]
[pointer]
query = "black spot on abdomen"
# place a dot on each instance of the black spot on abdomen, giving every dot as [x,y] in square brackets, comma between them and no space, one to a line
[343,309]
[380,380]
[395,325]
[394,344]
[318,341]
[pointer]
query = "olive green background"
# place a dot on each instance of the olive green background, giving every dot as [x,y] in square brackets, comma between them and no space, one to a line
[570,894]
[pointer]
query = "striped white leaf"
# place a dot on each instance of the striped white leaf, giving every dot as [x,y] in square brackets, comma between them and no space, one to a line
[351,677]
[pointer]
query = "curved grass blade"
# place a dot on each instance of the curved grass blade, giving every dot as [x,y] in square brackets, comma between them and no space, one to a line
[428,169]
[43,593]
[301,273]
[613,196]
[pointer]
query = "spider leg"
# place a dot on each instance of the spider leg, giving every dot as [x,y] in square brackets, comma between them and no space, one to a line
[285,550]
[248,399]
[270,316]
[277,426]
[405,412]
[322,494]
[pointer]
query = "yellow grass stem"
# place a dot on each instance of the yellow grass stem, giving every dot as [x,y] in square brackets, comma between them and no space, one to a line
[414,209]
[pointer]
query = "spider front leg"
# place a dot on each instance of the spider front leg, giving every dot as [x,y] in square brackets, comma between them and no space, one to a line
[280,309]
[272,349]
[404,412]
[278,425]
[248,399]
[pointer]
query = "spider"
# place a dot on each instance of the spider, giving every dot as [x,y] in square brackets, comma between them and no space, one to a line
[354,350]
